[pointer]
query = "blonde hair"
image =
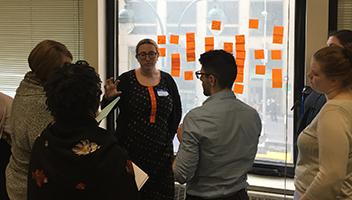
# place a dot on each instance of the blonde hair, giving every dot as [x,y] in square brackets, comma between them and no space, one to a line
[46,57]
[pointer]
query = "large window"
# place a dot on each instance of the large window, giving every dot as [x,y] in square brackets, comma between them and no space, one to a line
[269,89]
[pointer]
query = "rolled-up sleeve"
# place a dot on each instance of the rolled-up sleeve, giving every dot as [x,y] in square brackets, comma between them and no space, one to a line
[187,158]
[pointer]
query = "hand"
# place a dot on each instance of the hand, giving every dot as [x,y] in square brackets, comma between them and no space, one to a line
[180,132]
[110,88]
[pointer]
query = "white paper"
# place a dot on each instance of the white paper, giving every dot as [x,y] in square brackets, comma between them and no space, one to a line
[104,113]
[140,176]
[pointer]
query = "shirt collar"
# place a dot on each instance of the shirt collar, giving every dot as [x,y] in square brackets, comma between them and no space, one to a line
[220,95]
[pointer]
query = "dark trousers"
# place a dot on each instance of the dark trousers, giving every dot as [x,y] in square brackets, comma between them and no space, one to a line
[240,195]
[5,152]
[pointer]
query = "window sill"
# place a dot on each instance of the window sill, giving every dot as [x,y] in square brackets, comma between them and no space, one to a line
[270,184]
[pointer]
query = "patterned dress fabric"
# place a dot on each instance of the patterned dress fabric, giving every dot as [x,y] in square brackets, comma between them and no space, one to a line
[79,160]
[146,125]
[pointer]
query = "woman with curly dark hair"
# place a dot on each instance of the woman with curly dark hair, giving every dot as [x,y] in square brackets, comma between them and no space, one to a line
[74,158]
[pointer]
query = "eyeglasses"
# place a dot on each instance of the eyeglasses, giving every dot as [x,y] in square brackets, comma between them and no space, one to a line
[150,54]
[199,74]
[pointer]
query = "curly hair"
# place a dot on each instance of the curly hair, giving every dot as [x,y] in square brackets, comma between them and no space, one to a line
[73,92]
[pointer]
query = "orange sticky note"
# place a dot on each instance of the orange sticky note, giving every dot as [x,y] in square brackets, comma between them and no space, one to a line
[277,39]
[260,69]
[276,54]
[162,52]
[188,75]
[254,23]
[174,39]
[175,64]
[276,78]
[209,43]
[259,54]
[190,37]
[228,46]
[240,54]
[239,78]
[278,34]
[216,25]
[238,88]
[161,39]
[240,47]
[240,62]
[191,56]
[240,39]
[190,46]
[278,30]
[240,69]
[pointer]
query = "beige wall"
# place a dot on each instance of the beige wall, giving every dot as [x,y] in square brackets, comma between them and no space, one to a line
[316,27]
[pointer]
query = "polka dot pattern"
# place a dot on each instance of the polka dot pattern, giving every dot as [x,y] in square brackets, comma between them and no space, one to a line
[149,144]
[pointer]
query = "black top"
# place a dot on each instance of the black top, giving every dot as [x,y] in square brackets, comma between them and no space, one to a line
[146,125]
[79,161]
[312,105]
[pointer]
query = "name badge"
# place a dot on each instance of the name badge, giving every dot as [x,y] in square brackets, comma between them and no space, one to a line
[162,93]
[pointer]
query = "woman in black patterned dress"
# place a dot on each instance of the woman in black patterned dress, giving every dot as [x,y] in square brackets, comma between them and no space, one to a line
[149,114]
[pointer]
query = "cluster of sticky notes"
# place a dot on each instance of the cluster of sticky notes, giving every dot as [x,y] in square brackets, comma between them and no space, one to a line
[240,58]
[259,54]
[190,47]
[278,34]
[209,43]
[175,64]
[162,41]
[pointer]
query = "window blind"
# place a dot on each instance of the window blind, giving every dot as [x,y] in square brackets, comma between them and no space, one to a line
[24,23]
[344,14]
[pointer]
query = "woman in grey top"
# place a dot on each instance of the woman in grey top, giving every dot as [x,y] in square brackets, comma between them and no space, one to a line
[29,113]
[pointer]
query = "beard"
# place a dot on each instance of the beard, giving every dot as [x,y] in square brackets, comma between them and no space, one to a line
[206,89]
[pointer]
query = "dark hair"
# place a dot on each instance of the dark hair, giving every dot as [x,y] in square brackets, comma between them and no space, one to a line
[344,36]
[336,62]
[73,92]
[221,64]
[46,57]
[147,41]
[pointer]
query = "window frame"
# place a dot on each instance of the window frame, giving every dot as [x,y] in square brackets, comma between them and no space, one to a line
[259,167]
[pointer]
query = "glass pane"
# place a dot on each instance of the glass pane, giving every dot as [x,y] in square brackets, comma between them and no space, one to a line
[276,144]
